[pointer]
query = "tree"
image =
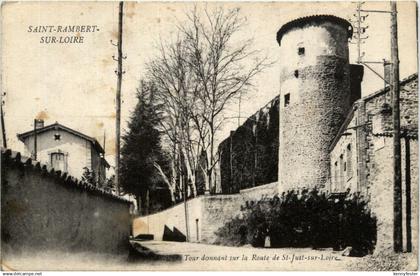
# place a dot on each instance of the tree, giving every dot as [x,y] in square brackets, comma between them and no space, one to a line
[222,67]
[196,76]
[176,88]
[89,177]
[142,148]
[109,184]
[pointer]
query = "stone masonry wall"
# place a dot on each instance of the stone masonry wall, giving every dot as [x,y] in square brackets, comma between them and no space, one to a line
[206,214]
[379,154]
[381,192]
[44,210]
[368,129]
[249,155]
[315,94]
[309,124]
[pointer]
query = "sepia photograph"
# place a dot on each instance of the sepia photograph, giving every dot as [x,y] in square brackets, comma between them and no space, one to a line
[209,136]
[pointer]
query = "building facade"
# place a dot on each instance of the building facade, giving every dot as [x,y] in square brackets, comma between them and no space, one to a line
[66,150]
[362,154]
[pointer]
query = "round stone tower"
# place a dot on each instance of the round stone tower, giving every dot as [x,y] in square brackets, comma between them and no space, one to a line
[314,96]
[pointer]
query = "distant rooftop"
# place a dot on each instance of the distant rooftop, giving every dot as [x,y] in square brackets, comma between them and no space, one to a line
[56,126]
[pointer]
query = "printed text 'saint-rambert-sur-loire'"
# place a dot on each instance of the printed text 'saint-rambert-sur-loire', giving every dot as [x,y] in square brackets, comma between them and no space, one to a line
[59,34]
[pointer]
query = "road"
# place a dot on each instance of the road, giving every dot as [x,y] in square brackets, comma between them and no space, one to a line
[158,255]
[195,256]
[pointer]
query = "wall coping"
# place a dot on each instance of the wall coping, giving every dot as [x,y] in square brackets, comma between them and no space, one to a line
[15,158]
[269,185]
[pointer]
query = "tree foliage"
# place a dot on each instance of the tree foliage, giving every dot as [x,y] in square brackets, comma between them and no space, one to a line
[304,218]
[142,148]
[89,176]
[196,76]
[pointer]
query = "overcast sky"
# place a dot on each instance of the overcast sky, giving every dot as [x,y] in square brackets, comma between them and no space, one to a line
[74,84]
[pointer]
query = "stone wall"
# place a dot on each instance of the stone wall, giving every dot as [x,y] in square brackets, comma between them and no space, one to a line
[172,217]
[45,210]
[381,192]
[315,96]
[368,132]
[249,155]
[206,214]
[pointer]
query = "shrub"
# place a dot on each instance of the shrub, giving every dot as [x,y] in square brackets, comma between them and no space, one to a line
[304,219]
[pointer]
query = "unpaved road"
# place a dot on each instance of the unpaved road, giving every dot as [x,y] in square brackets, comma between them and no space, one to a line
[193,256]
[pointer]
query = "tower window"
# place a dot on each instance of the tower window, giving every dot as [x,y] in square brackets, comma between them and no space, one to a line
[287,99]
[301,51]
[297,73]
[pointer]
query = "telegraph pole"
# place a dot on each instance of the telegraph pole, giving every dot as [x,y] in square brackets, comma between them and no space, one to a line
[394,84]
[35,139]
[395,90]
[3,127]
[119,73]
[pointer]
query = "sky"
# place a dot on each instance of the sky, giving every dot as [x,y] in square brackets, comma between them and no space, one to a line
[75,84]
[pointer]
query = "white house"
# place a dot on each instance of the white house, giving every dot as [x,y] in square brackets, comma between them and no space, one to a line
[65,149]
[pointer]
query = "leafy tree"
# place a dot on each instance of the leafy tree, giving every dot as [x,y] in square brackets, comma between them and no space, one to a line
[89,177]
[109,184]
[142,149]
[304,218]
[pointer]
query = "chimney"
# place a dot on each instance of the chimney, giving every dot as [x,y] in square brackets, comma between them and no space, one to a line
[39,123]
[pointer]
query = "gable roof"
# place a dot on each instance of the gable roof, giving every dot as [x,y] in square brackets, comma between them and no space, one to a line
[55,126]
[367,98]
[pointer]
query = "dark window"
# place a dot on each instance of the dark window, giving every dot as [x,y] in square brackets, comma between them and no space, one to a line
[287,99]
[297,73]
[57,137]
[58,161]
[301,51]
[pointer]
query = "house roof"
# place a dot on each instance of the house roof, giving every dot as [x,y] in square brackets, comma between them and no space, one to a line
[56,126]
[408,131]
[299,22]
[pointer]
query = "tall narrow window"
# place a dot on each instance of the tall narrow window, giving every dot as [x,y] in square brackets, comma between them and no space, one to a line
[341,175]
[58,161]
[349,161]
[287,99]
[336,184]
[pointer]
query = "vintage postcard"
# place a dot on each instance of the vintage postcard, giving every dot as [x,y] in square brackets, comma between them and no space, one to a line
[209,136]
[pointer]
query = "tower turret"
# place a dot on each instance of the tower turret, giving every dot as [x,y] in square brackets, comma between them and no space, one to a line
[315,96]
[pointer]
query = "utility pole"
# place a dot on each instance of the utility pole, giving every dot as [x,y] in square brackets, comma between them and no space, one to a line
[119,73]
[104,143]
[395,90]
[394,84]
[35,139]
[239,109]
[187,229]
[360,28]
[3,127]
